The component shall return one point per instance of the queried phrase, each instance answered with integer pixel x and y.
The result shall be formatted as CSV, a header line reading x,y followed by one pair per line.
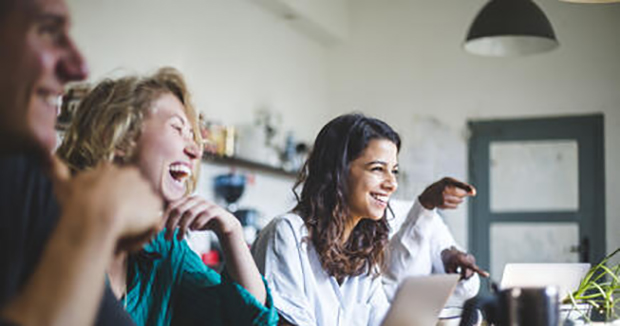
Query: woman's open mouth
x,y
180,172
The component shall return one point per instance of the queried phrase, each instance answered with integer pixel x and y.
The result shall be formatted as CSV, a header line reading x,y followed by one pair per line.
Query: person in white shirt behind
x,y
424,245
324,260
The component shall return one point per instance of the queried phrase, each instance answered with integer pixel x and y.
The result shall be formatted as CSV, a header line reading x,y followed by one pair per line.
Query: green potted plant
x,y
598,290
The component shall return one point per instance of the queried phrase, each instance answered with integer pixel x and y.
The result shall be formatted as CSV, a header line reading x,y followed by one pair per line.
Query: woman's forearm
x,y
241,266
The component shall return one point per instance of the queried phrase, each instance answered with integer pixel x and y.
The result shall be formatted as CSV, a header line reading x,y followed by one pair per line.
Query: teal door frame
x,y
589,134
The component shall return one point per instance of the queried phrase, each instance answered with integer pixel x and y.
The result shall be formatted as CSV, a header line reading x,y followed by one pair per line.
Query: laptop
x,y
564,276
419,299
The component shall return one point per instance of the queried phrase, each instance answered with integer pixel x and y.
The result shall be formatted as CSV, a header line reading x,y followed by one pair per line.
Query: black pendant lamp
x,y
506,28
592,1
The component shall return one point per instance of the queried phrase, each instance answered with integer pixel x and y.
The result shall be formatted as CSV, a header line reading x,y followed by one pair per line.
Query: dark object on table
x,y
515,306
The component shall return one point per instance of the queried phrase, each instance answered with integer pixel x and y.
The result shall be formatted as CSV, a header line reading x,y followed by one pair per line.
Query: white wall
x,y
332,14
237,58
322,20
404,63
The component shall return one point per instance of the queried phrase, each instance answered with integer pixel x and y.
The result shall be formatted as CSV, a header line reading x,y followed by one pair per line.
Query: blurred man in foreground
x,y
57,233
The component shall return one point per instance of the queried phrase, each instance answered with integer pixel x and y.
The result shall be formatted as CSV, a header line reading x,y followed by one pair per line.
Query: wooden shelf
x,y
243,163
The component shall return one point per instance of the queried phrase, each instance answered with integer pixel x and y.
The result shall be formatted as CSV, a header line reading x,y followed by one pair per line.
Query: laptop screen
x,y
419,300
565,276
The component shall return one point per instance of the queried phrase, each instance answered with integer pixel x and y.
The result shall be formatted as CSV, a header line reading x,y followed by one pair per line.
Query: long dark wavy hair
x,y
322,203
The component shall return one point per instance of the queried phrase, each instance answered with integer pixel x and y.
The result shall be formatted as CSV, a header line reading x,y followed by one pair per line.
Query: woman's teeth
x,y
381,198
180,172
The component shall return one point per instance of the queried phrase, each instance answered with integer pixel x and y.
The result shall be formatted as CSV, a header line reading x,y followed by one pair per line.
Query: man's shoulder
x,y
25,189
20,160
28,213
21,170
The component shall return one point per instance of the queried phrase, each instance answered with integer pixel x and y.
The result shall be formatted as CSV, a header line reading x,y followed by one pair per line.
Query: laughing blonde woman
x,y
150,122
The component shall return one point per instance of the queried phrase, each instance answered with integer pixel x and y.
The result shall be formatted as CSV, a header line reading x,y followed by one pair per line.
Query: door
x,y
541,195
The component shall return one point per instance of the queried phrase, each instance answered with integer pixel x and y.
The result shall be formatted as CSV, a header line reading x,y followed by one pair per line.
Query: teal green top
x,y
168,284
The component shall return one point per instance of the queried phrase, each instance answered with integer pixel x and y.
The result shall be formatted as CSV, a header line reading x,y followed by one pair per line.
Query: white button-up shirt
x,y
415,250
303,293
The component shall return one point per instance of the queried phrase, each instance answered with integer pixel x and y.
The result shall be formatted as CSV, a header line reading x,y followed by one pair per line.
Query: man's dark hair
x,y
8,7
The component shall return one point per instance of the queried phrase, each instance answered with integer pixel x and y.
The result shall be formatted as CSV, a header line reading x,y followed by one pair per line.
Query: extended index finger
x,y
478,270
468,262
471,191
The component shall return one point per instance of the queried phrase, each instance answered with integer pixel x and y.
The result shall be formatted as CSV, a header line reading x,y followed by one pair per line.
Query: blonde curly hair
x,y
109,120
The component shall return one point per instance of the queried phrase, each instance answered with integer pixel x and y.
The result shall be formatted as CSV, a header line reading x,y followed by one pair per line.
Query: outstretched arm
x,y
416,248
449,193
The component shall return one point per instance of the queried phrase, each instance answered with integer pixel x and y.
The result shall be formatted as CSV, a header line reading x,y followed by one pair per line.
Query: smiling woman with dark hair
x,y
324,260
334,200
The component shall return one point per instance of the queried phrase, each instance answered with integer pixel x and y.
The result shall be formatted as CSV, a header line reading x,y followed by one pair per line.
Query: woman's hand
x,y
456,261
446,193
196,213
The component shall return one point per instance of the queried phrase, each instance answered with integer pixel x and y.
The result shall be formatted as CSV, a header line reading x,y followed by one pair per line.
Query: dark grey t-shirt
x,y
28,214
